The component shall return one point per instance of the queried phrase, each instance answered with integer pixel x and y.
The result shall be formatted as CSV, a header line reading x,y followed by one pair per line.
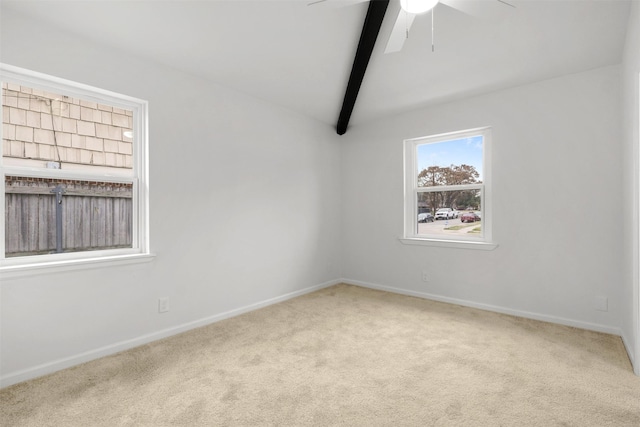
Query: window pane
x,y
90,215
48,130
450,213
451,162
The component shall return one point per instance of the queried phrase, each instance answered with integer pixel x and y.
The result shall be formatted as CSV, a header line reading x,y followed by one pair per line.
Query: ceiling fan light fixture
x,y
418,6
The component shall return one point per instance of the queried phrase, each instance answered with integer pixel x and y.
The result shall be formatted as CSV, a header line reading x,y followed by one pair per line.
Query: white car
x,y
445,213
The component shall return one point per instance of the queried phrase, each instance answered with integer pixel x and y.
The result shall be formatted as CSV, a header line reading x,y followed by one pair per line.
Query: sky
x,y
466,151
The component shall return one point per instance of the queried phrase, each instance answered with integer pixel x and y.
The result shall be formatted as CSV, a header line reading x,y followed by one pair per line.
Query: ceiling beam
x,y
370,30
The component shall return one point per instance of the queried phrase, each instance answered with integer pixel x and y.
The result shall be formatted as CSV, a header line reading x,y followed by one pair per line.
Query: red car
x,y
469,217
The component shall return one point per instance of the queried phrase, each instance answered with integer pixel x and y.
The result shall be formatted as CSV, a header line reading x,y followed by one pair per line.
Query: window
x,y
448,189
74,168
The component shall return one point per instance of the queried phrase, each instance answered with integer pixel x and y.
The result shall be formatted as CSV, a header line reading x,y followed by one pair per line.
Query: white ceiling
x,y
300,56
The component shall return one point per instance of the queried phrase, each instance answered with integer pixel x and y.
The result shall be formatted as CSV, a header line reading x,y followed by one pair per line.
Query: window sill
x,y
33,269
455,244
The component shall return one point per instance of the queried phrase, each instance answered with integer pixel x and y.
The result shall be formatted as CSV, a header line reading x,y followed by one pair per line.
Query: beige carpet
x,y
347,356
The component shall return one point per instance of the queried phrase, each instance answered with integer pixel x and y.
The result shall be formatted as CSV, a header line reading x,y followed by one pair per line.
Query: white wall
x,y
557,158
244,209
631,89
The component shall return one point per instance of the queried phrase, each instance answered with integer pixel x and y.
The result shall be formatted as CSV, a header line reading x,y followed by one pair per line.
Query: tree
x,y
432,176
435,176
469,198
463,174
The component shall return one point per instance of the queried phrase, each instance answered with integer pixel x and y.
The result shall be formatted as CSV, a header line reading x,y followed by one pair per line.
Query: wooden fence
x,y
95,215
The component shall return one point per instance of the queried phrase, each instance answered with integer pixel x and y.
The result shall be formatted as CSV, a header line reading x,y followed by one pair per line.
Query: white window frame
x,y
25,265
411,190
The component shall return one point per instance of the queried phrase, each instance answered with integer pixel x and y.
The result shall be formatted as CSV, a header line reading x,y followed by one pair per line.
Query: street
x,y
450,227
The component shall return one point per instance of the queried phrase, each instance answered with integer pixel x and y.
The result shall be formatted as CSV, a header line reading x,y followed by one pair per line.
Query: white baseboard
x,y
67,362
628,347
57,365
519,313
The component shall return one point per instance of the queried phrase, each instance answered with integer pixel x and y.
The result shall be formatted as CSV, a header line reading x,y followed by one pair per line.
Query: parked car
x,y
469,217
445,213
425,217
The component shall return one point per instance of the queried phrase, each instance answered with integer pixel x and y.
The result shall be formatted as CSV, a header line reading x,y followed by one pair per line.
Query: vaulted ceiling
x,y
300,56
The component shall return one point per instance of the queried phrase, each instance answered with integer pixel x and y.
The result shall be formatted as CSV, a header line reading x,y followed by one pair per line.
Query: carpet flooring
x,y
347,356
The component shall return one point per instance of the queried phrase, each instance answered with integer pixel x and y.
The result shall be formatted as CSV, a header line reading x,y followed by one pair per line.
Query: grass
x,y
464,225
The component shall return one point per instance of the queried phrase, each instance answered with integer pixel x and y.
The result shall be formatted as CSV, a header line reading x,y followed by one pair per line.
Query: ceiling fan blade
x,y
398,35
493,9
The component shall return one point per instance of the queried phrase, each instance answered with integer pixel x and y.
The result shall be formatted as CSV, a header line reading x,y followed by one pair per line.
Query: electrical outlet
x,y
163,305
425,276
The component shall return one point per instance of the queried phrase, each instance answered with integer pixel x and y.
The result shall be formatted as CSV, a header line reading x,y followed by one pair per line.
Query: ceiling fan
x,y
409,9
402,22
